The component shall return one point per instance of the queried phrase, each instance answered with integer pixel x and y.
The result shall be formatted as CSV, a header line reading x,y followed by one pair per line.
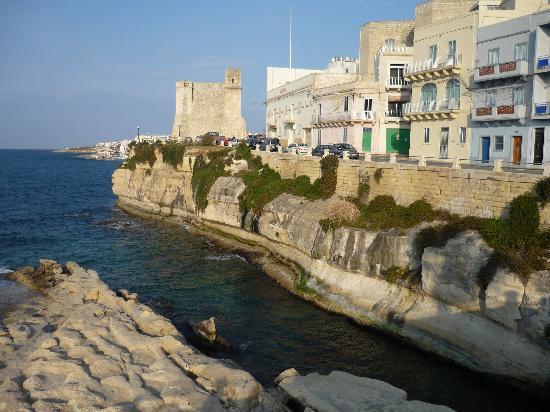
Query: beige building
x,y
209,107
442,71
368,112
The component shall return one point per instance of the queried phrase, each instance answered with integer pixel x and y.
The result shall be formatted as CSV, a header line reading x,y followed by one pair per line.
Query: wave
x,y
4,270
231,256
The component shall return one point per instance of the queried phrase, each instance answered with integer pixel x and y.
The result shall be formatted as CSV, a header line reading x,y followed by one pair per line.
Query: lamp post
x,y
138,133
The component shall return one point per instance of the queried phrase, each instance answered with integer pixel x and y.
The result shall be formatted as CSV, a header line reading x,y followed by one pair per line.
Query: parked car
x,y
338,149
298,148
252,142
232,142
320,149
273,143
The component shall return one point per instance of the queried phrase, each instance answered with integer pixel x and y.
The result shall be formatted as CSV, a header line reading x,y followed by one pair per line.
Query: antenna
x,y
290,43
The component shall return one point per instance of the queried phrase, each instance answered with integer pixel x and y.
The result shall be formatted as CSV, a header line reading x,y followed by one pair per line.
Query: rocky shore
x,y
81,346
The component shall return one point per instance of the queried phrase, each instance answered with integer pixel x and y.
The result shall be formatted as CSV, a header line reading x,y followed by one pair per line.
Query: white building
x,y
290,104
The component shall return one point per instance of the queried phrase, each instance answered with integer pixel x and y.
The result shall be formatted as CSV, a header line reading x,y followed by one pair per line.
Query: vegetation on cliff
x,y
142,153
264,184
205,174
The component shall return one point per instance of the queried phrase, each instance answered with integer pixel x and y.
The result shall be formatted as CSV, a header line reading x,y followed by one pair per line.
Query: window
x,y
389,43
519,96
493,7
491,98
396,74
395,109
452,93
320,111
462,139
345,134
368,105
521,51
494,57
426,135
452,53
346,103
499,143
432,53
319,136
428,96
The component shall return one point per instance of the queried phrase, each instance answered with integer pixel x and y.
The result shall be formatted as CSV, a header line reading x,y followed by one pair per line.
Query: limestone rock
x,y
451,273
503,299
286,374
340,391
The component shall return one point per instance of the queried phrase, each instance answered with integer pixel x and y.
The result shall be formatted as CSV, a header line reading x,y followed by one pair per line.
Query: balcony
x,y
432,110
498,113
271,123
542,111
543,64
397,83
430,69
342,118
501,71
288,118
392,116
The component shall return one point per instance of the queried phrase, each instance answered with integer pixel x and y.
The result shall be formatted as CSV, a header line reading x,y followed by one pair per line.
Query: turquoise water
x,y
58,206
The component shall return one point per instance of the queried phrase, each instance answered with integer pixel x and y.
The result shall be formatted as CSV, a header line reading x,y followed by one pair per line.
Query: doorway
x,y
539,146
516,153
485,149
444,143
367,139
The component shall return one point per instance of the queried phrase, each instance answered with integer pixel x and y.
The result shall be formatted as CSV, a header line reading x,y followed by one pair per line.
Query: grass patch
x,y
301,284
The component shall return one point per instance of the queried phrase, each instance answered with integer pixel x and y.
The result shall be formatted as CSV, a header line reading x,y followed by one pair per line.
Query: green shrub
x,y
243,152
524,219
329,176
363,191
542,190
207,141
173,153
378,174
205,175
301,284
419,211
142,153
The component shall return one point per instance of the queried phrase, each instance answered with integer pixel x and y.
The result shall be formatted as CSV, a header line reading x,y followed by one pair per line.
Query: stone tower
x,y
209,107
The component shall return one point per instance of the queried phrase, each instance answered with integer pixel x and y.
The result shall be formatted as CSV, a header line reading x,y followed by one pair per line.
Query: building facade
x,y
510,113
442,72
290,105
209,107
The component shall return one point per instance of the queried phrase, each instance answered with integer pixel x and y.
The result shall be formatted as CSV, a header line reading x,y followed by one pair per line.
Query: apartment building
x,y
510,113
290,102
442,72
368,112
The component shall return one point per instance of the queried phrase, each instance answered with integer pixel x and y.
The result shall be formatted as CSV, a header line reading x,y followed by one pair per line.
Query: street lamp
x,y
138,133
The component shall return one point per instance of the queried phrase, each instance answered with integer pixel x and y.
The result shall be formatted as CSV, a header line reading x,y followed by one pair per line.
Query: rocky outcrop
x,y
340,391
82,347
494,324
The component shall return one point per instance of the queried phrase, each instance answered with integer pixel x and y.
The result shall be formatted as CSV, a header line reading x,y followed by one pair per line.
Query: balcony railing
x,y
543,63
271,122
394,113
501,70
344,117
542,109
432,106
397,82
289,118
501,112
441,63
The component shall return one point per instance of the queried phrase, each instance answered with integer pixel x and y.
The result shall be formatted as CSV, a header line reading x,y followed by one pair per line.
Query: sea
x,y
59,206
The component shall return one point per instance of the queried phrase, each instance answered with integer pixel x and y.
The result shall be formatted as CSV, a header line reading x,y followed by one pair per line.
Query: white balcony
x,y
271,122
397,83
289,118
499,113
432,110
344,117
501,71
430,69
542,111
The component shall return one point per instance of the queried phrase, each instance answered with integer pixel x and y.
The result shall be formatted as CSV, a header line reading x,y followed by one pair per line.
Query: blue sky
x,y
75,72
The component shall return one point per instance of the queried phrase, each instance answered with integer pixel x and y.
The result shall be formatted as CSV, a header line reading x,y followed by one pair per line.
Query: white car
x,y
298,149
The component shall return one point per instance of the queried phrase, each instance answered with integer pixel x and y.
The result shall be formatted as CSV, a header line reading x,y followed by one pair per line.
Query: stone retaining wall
x,y
465,192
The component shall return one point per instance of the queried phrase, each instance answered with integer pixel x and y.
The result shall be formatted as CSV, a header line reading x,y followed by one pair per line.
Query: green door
x,y
367,139
398,141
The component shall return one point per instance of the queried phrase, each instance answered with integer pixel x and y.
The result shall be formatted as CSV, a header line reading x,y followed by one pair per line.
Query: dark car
x,y
320,150
274,144
252,142
338,149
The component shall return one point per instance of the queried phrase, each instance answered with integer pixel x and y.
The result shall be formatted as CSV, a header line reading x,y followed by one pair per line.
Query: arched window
x,y
452,93
428,96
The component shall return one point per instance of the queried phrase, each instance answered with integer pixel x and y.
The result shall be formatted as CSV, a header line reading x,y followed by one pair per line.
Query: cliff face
x,y
502,329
